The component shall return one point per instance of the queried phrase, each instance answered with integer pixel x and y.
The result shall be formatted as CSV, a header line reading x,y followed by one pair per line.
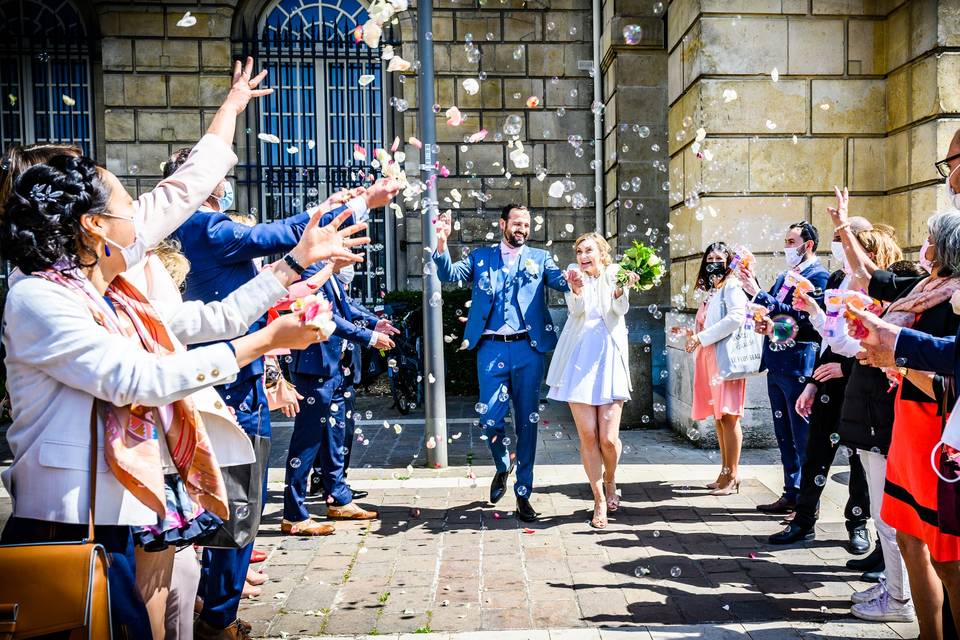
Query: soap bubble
x,y
675,571
857,512
480,408
632,33
693,433
513,125
834,438
641,571
784,329
534,417
820,481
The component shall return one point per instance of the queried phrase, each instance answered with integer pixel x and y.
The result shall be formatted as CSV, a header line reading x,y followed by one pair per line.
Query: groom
x,y
510,327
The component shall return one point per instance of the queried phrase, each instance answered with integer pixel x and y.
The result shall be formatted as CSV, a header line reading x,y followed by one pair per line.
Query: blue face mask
x,y
226,200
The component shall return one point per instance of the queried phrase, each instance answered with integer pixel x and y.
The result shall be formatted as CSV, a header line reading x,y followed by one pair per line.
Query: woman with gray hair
x,y
910,491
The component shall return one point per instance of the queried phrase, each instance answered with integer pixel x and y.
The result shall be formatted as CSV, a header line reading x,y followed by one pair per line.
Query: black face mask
x,y
715,268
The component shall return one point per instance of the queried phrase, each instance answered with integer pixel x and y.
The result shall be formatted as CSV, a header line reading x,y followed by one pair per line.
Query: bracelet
x,y
845,225
293,264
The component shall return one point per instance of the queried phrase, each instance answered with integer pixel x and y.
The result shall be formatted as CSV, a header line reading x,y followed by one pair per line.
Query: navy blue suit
x,y
320,429
923,352
788,368
221,254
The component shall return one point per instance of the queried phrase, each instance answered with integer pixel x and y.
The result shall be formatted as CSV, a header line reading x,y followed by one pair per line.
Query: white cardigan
x,y
716,324
58,359
595,293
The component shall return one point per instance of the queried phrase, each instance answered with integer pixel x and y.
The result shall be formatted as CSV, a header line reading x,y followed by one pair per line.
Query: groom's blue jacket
x,y
535,271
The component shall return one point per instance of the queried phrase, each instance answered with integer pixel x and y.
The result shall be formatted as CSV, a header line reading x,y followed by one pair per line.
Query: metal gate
x,y
318,111
45,88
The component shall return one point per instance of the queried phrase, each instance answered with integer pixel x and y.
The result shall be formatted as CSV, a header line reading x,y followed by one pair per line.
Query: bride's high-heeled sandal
x,y
613,500
599,521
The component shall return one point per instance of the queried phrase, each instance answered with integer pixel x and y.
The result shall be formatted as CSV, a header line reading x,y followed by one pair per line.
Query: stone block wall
x,y
866,97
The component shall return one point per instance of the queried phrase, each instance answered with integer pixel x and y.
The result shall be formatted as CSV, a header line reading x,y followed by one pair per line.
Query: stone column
x,y
862,95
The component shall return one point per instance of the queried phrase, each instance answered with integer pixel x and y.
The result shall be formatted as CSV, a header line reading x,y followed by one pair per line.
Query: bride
x,y
590,368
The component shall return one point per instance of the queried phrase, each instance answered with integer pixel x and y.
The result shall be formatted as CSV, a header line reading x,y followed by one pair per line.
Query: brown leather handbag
x,y
57,587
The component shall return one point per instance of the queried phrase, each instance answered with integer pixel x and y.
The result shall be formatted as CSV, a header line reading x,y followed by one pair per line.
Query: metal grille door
x,y
318,111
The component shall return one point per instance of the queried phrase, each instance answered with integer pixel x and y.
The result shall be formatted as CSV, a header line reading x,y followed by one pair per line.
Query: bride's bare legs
x,y
585,417
608,422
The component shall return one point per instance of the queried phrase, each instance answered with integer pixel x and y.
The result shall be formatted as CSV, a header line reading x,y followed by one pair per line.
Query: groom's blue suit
x,y
514,301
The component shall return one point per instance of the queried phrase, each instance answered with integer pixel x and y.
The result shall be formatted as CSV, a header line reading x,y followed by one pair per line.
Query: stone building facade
x,y
867,96
156,85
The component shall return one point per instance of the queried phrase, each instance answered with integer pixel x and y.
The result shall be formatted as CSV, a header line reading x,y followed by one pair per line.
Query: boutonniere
x,y
955,302
530,266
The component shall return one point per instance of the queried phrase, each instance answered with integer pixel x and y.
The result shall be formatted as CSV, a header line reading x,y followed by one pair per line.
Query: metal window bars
x,y
319,112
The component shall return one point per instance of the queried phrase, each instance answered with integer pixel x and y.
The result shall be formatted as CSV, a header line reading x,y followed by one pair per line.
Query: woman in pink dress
x,y
721,313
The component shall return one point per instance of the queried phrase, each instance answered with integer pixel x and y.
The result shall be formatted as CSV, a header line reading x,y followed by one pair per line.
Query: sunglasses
x,y
943,166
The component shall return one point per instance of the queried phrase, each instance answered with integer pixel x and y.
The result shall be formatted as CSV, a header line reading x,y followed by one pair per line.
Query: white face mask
x,y
793,256
925,262
346,275
952,195
836,249
136,252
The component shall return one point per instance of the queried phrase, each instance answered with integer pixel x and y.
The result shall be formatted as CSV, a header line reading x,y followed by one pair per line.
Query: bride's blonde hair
x,y
602,245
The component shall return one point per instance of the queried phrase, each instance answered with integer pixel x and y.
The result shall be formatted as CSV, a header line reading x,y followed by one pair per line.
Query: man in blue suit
x,y
320,430
221,254
510,327
790,364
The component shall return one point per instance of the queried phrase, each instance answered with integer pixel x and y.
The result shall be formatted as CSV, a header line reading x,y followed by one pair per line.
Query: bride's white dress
x,y
596,372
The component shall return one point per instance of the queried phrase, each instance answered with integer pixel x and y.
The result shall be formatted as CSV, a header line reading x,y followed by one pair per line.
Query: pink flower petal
x,y
478,136
415,142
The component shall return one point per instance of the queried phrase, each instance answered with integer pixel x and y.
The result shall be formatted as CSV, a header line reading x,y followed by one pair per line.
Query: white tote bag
x,y
739,354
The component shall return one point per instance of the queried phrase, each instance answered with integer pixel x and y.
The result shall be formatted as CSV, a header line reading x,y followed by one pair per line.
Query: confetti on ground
x,y
775,75
529,531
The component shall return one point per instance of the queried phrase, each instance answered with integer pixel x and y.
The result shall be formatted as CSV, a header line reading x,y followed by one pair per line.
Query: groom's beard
x,y
516,240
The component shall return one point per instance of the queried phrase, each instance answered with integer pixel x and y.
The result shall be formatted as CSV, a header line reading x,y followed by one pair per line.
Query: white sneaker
x,y
885,609
872,593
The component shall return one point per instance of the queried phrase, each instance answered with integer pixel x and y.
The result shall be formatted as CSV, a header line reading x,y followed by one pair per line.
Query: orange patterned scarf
x,y
131,447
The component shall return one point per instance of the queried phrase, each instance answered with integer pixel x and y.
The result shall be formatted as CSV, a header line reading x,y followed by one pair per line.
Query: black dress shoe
x,y
872,562
782,505
359,495
499,485
316,484
525,512
859,541
873,576
793,533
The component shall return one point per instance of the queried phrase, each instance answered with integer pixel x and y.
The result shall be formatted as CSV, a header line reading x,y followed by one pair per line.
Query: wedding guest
x,y
789,365
922,306
821,401
590,369
721,313
76,334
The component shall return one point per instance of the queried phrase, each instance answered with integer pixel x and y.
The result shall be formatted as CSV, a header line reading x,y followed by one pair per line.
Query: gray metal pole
x,y
435,396
599,220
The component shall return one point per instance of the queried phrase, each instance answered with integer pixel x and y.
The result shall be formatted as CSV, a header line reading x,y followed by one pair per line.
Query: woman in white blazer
x,y
61,356
721,313
590,369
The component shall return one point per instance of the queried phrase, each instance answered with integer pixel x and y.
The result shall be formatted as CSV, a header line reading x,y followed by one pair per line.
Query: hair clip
x,y
44,193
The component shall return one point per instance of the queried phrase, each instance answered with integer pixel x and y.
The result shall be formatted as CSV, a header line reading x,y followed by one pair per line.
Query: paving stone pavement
x,y
674,562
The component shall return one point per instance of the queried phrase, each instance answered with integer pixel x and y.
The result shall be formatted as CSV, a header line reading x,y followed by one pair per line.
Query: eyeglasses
x,y
943,166
110,215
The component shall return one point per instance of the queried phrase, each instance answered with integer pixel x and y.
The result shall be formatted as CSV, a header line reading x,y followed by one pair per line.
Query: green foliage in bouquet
x,y
643,261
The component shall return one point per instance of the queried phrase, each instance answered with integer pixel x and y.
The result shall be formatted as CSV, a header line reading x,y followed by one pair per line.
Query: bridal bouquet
x,y
642,261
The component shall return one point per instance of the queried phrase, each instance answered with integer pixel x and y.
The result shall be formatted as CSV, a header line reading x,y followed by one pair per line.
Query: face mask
x,y
715,269
346,275
132,255
793,256
952,195
226,200
836,248
925,262
136,252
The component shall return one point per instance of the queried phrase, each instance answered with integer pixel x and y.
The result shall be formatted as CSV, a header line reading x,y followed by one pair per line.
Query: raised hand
x,y
748,280
381,192
329,241
575,279
838,214
244,88
386,327
339,198
444,227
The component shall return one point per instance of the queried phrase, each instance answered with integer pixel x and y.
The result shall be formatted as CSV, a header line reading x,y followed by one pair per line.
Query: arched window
x,y
45,88
328,97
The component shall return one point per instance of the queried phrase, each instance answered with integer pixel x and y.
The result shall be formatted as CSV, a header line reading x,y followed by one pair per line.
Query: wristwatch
x,y
293,264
